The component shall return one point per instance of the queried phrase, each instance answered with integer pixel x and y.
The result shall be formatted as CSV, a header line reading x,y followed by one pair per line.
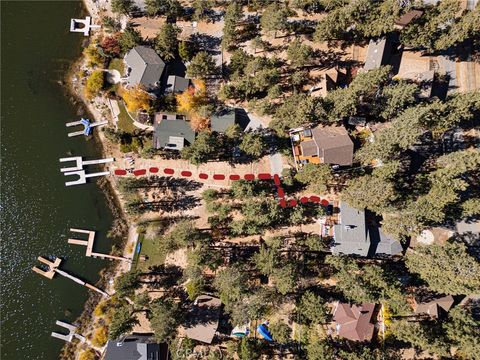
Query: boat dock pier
x,y
89,244
72,332
87,126
53,268
82,25
78,169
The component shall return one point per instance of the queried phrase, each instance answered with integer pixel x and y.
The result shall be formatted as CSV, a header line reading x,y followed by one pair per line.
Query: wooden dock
x,y
89,244
53,269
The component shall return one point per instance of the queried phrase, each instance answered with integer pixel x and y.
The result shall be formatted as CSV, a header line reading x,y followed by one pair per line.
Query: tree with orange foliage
x,y
193,103
136,98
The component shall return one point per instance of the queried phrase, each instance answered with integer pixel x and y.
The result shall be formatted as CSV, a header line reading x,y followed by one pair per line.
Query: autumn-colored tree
x,y
136,98
94,58
95,83
193,102
87,355
111,45
100,336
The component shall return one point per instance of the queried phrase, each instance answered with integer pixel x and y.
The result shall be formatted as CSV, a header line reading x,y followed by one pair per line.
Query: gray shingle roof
x,y
177,84
146,67
135,347
351,233
226,117
378,53
171,132
352,237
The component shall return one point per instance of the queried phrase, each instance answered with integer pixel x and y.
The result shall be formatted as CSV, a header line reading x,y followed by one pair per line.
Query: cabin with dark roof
x,y
145,67
225,117
177,84
136,347
379,52
172,131
352,235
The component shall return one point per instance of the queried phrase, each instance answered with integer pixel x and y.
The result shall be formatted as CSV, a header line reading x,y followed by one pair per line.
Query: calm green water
x,y
36,208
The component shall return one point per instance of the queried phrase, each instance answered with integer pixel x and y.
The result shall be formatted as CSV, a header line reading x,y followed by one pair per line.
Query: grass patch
x,y
117,64
151,252
125,122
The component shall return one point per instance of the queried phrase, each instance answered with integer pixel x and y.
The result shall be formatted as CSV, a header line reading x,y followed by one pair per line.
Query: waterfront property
x,y
145,68
136,347
321,145
172,131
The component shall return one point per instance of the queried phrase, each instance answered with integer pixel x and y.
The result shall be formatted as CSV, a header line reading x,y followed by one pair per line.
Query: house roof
x,y
354,322
351,233
171,131
309,148
135,347
378,53
408,17
435,307
225,117
382,243
353,237
146,66
203,318
334,144
177,84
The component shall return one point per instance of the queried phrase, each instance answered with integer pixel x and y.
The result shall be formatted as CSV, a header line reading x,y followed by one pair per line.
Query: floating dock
x,y
89,244
82,25
72,332
87,126
53,268
78,169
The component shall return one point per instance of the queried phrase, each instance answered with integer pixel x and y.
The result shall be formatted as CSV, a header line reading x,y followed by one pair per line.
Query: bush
x,y
194,288
100,336
87,355
95,83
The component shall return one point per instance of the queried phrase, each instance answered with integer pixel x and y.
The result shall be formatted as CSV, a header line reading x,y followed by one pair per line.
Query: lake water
x,y
36,208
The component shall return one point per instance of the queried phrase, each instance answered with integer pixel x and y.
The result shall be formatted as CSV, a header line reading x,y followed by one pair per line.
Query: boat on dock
x,y
87,126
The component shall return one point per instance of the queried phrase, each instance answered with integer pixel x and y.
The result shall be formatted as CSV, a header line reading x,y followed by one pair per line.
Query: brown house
x,y
435,308
321,145
354,322
202,319
407,18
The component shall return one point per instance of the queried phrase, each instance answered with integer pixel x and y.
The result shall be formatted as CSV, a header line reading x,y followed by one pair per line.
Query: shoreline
x,y
121,225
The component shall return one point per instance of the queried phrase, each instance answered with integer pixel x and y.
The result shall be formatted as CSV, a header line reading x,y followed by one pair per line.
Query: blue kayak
x,y
263,330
